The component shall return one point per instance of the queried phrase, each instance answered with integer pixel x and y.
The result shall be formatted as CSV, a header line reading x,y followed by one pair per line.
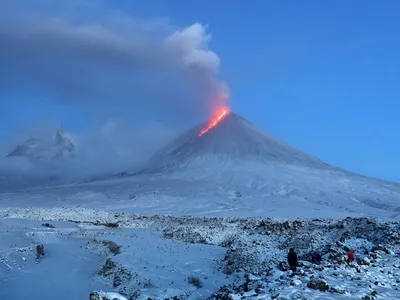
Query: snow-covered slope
x,y
93,242
233,140
271,177
234,169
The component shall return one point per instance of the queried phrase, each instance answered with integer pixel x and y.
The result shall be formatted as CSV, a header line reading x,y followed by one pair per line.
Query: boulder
x,y
295,282
337,290
318,284
365,261
39,251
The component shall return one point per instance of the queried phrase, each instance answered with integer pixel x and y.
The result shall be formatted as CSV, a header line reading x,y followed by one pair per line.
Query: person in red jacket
x,y
350,256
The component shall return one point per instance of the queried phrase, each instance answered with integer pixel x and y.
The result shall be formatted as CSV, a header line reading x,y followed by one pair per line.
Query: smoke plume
x,y
103,66
110,65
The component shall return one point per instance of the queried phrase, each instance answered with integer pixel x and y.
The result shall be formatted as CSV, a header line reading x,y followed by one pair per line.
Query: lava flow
x,y
220,115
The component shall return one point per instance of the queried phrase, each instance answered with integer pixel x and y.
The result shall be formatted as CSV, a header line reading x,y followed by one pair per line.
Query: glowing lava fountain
x,y
220,114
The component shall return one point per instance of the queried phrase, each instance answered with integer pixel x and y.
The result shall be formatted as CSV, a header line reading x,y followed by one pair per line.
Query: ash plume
x,y
90,65
107,63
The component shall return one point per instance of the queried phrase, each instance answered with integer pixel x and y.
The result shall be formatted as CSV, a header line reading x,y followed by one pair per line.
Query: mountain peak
x,y
233,139
44,146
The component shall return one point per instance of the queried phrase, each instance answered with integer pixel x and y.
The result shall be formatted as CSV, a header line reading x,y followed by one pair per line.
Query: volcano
x,y
232,168
236,159
233,140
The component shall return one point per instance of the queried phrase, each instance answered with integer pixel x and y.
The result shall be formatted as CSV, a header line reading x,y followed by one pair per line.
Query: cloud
x,y
116,147
111,62
149,75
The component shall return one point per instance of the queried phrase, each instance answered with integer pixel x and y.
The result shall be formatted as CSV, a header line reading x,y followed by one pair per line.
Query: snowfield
x,y
209,217
167,257
235,169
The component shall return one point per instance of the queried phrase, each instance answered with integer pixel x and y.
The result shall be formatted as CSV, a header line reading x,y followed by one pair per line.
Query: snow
x,y
233,170
295,194
210,217
64,273
155,256
110,295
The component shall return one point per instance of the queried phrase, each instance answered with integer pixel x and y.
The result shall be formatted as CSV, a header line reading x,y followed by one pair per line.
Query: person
x,y
350,256
292,259
316,258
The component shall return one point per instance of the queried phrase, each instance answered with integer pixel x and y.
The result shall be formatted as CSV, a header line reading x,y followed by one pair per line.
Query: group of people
x,y
316,258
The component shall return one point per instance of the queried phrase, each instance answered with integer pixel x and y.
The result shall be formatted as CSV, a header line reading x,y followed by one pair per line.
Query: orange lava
x,y
219,115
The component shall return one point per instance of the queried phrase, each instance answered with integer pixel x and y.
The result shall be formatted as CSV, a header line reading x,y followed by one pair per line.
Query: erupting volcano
x,y
227,138
218,116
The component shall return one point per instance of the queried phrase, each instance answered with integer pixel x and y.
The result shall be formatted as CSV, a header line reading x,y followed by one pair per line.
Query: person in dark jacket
x,y
292,259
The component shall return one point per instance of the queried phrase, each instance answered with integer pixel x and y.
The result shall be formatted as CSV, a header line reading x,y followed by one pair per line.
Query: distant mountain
x,y
39,160
55,146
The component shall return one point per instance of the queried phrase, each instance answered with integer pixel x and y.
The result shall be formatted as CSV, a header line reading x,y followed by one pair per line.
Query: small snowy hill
x,y
45,147
233,140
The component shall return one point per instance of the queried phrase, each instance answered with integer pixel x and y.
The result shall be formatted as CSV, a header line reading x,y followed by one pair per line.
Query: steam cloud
x,y
139,71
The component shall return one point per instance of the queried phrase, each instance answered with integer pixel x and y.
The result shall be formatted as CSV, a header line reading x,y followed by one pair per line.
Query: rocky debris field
x,y
257,248
247,255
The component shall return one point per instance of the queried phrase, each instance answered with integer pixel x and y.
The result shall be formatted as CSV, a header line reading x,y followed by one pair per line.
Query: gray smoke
x,y
105,64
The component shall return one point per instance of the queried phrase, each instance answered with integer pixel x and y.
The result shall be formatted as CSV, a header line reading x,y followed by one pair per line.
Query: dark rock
x,y
195,281
48,225
112,247
380,248
39,251
110,225
318,284
337,290
115,272
107,267
96,296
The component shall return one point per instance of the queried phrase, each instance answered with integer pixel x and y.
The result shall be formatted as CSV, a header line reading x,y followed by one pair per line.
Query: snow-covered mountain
x,y
233,140
147,236
48,147
234,169
38,160
237,158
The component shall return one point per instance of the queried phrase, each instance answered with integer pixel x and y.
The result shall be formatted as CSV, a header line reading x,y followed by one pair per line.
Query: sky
x,y
321,76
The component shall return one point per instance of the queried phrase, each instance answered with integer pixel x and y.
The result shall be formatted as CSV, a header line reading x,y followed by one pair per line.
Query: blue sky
x,y
322,76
